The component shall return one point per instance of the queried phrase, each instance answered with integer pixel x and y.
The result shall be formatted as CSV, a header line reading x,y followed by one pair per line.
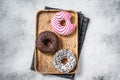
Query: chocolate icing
x,y
47,42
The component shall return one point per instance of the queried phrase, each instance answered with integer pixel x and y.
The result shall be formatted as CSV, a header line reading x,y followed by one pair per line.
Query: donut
x,y
66,29
62,55
47,42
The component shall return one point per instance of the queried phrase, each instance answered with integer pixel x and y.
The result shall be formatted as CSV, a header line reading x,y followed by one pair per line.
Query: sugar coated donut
x,y
61,29
61,66
47,42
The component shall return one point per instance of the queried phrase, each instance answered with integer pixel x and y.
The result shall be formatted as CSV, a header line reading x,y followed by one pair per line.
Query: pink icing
x,y
58,28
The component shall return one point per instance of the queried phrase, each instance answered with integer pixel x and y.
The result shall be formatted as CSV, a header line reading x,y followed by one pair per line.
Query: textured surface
x,y
100,56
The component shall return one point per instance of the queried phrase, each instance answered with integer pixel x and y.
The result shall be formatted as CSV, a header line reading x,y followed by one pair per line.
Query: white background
x,y
100,56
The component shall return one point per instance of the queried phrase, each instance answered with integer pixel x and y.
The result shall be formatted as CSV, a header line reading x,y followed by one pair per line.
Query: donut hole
x,y
46,42
64,60
72,19
63,22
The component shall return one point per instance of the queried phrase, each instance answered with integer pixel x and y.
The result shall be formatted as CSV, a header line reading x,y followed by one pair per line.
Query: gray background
x,y
100,56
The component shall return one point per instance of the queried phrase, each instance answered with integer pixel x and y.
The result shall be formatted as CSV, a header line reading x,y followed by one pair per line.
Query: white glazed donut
x,y
56,23
69,65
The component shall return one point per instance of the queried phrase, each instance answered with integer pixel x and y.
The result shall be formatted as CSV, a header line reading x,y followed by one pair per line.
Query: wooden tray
x,y
43,63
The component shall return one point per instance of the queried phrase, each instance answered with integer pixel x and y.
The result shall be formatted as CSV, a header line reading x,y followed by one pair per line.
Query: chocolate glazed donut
x,y
47,42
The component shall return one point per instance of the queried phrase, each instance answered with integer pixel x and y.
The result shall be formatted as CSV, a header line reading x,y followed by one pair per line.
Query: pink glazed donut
x,y
56,23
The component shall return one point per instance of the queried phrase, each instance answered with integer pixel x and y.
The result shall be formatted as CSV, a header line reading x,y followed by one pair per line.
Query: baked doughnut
x,y
64,67
47,42
66,29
